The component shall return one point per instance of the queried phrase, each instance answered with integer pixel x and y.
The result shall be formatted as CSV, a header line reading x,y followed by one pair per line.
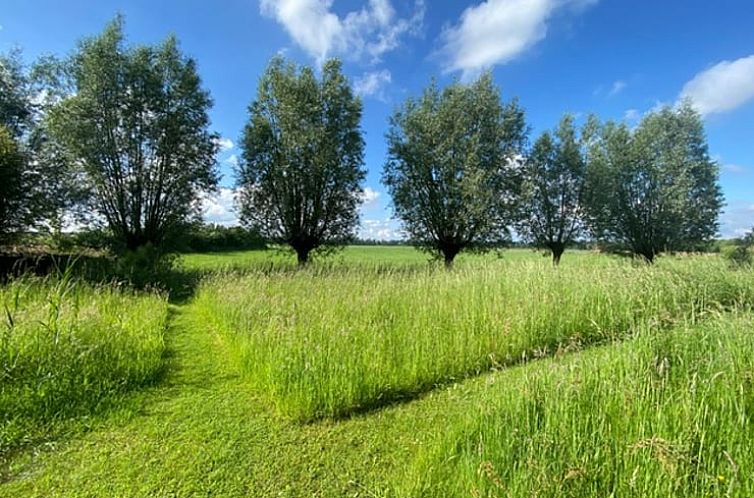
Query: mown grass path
x,y
202,432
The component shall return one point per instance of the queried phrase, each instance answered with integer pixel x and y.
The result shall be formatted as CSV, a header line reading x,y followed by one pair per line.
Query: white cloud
x,y
497,31
385,229
225,144
735,169
632,115
220,208
232,160
737,218
723,87
369,197
371,31
617,88
373,84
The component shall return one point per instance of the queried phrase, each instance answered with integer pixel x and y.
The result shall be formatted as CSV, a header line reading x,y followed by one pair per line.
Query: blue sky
x,y
617,58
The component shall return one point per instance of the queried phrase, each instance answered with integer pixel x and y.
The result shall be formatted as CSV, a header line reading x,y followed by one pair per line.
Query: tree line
x,y
120,135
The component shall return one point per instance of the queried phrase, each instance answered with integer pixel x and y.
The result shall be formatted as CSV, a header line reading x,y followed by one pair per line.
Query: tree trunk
x,y
302,254
557,251
449,253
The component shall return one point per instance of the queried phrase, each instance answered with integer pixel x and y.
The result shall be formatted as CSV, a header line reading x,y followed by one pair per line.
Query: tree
x,y
654,189
452,168
553,191
303,155
15,103
136,126
14,205
25,178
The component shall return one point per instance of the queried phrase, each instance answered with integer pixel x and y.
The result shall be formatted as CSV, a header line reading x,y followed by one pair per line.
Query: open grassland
x,y
67,347
331,343
503,378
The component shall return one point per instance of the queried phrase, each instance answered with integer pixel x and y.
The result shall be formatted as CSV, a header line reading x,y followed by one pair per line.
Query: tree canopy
x,y
655,188
136,127
453,166
303,157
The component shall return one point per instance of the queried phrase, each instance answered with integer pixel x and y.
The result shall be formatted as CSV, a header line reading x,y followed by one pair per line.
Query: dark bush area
x,y
202,237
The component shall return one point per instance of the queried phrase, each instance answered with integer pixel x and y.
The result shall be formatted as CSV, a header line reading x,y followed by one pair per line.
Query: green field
x,y
376,373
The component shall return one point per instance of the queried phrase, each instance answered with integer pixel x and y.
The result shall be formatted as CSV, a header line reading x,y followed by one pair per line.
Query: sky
x,y
616,58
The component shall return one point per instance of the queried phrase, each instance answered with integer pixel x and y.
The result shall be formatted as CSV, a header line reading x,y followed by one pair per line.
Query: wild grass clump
x,y
666,414
66,347
322,344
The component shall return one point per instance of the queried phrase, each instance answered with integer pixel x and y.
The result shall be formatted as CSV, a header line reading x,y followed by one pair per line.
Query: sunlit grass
x,y
322,343
665,414
65,347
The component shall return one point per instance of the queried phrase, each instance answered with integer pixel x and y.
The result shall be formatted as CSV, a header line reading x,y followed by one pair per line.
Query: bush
x,y
739,254
203,237
144,267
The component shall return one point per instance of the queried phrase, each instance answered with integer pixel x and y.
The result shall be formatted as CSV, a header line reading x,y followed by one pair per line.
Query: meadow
x,y
378,373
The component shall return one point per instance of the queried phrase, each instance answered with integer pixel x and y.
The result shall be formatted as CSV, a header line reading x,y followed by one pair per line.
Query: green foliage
x,y
15,104
14,212
203,237
654,189
29,183
136,121
666,414
303,158
66,347
552,199
330,343
145,266
740,253
451,169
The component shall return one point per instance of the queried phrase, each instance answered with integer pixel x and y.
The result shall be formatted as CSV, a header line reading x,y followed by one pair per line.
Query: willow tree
x,y
654,189
28,180
453,167
552,196
303,155
136,123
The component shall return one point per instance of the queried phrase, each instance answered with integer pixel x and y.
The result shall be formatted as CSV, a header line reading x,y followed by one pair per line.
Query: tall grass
x,y
65,347
669,414
323,343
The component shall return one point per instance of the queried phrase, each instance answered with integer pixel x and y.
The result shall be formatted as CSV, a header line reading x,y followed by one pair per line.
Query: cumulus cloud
x,y
220,208
369,197
497,31
225,144
723,87
372,31
384,229
372,84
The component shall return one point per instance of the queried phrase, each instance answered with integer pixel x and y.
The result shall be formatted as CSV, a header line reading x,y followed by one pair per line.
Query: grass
x,y
663,415
670,394
67,347
331,343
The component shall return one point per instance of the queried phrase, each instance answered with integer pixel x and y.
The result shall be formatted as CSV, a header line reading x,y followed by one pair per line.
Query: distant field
x,y
375,372
361,256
